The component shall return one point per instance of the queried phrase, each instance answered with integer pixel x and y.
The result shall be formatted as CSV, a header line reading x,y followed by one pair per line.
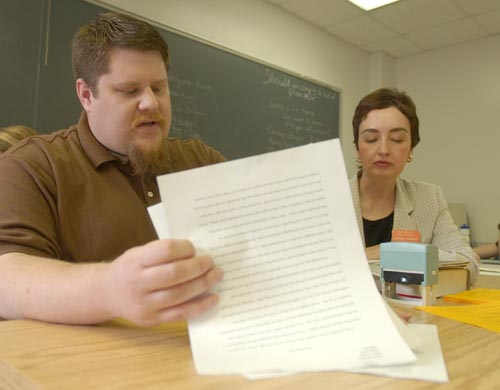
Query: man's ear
x,y
84,94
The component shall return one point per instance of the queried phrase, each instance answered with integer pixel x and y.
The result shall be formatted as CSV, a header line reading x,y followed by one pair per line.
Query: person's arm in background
x,y
452,244
486,251
158,282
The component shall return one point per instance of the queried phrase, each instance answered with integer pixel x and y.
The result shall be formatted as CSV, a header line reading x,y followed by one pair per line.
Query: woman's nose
x,y
383,146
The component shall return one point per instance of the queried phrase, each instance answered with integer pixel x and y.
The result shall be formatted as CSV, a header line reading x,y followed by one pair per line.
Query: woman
x,y
385,126
12,134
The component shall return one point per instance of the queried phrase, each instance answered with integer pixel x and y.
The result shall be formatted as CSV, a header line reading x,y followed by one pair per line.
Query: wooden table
x,y
118,355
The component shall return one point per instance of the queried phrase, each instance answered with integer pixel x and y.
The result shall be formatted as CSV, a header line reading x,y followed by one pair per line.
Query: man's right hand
x,y
159,282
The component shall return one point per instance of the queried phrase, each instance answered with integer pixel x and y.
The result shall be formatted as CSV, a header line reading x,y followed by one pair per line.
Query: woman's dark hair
x,y
384,98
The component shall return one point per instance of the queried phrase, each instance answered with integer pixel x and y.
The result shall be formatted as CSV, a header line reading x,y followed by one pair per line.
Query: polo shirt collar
x,y
96,152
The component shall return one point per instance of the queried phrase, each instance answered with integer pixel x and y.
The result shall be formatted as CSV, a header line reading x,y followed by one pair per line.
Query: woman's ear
x,y
410,156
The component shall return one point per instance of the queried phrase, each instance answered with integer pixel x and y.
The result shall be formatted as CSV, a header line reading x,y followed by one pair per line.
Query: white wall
x,y
457,93
261,30
382,71
456,89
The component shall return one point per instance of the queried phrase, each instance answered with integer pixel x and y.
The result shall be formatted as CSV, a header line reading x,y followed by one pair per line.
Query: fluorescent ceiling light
x,y
368,5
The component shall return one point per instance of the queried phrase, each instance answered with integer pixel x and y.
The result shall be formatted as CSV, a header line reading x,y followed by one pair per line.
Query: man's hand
x,y
159,282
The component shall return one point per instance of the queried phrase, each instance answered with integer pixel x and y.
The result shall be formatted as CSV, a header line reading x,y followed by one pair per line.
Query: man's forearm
x,y
52,290
156,282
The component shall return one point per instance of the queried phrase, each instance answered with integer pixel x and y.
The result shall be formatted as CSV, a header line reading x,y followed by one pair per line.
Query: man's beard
x,y
146,159
151,161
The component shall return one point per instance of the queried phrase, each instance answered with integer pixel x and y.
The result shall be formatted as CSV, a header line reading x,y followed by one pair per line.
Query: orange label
x,y
405,236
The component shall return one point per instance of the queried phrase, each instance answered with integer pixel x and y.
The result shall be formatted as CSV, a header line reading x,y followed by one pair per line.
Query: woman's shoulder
x,y
44,147
416,188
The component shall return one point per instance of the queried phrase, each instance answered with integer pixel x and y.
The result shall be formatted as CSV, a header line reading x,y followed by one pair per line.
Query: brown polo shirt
x,y
64,196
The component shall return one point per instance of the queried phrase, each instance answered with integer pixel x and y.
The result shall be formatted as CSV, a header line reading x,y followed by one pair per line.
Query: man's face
x,y
130,112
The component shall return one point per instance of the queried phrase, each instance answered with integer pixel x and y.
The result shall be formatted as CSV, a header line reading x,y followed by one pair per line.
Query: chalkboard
x,y
242,107
235,104
20,23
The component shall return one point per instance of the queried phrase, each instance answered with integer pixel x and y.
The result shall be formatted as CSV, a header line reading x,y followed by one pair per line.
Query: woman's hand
x,y
403,315
373,252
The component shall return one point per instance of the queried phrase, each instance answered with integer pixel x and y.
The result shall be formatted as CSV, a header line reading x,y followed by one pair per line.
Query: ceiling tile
x,y
395,47
403,28
460,31
361,31
475,7
415,15
323,12
490,21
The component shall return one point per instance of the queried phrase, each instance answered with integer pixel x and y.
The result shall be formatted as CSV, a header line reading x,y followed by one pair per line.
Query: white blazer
x,y
421,206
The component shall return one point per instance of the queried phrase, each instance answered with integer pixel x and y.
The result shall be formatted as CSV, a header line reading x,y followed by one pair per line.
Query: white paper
x,y
411,338
430,362
489,269
297,292
160,223
429,365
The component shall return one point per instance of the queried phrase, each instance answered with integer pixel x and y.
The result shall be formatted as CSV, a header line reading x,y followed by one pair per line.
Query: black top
x,y
378,231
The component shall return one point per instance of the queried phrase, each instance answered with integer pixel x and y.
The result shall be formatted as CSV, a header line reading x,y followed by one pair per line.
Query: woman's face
x,y
384,143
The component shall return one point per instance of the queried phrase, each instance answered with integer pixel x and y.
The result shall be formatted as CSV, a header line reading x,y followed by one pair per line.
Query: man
x,y
76,243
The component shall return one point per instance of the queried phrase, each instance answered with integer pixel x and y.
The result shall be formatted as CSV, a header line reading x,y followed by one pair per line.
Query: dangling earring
x,y
358,160
410,158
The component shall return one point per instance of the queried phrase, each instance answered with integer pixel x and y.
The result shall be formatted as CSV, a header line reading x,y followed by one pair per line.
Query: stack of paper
x,y
297,293
489,267
484,310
